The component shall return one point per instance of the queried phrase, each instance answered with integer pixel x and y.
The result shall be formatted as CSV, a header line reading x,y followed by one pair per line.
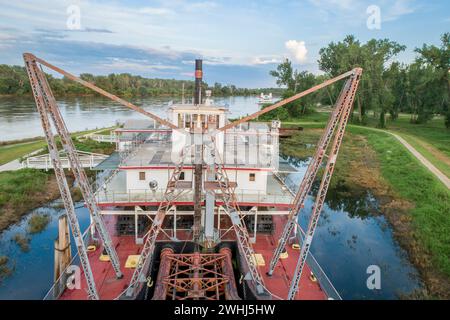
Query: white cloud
x,y
155,11
399,8
266,60
354,11
297,50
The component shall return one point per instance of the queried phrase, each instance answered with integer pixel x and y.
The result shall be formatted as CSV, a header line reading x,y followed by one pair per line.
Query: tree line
x,y
14,81
387,87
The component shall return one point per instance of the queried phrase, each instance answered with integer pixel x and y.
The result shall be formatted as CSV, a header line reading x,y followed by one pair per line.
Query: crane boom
x,y
41,97
103,92
324,184
310,175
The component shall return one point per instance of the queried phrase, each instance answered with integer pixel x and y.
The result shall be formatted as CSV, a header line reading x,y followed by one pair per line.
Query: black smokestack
x,y
198,81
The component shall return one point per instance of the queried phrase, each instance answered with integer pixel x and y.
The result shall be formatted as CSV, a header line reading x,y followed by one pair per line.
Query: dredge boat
x,y
190,207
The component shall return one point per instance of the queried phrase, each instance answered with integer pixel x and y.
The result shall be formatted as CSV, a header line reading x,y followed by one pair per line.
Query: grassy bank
x,y
26,189
23,190
424,229
431,139
12,151
411,198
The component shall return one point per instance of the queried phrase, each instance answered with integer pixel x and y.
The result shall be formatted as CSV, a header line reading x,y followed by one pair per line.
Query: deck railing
x,y
87,160
147,195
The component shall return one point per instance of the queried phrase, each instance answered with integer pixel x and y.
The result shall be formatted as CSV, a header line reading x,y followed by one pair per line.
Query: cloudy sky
x,y
240,41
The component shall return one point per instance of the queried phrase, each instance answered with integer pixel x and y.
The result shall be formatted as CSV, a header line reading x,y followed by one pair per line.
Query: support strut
x,y
325,182
310,175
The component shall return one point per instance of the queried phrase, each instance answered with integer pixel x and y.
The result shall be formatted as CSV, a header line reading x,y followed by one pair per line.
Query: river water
x,y
19,118
352,233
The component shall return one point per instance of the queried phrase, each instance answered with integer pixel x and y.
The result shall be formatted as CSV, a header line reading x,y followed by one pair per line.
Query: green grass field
x,y
11,152
411,181
431,139
21,191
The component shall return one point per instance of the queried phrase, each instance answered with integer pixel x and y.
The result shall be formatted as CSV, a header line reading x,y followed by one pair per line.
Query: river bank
x,y
11,150
25,189
376,162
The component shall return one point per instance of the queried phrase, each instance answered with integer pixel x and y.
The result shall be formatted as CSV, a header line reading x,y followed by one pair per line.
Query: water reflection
x,y
32,270
352,234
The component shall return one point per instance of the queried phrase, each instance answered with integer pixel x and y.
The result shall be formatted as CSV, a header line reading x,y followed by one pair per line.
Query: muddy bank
x,y
358,171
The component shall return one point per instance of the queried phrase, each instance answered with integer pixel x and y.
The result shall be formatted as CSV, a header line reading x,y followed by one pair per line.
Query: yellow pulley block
x,y
91,248
104,257
295,246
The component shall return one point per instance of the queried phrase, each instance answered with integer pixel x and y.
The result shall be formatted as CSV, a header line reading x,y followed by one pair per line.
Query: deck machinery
x,y
207,261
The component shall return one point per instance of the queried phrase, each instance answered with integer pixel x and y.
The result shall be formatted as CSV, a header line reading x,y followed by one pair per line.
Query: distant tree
x,y
435,64
295,81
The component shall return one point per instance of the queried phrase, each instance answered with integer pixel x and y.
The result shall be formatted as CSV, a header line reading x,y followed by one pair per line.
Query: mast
x,y
198,160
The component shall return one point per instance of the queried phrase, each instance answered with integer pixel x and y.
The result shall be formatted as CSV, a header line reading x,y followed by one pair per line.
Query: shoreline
x,y
360,169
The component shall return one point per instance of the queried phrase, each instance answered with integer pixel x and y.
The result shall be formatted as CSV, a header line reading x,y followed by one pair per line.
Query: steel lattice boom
x,y
42,97
320,199
310,174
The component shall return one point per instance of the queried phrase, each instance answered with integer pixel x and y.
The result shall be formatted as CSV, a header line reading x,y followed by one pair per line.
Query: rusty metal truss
x,y
48,109
195,276
311,173
325,182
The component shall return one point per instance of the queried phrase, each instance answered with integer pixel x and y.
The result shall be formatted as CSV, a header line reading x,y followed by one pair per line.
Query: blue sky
x,y
240,41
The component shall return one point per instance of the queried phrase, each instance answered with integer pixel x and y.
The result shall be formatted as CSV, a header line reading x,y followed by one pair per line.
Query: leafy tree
x,y
295,81
373,93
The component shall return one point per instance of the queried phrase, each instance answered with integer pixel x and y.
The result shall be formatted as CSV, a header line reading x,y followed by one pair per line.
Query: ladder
x,y
324,184
310,175
42,97
171,193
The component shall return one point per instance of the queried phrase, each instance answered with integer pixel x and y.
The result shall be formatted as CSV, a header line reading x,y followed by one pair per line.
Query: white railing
x,y
147,195
112,138
87,160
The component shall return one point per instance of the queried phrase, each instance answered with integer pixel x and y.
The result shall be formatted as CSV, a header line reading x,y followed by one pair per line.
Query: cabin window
x,y
181,175
252,177
141,175
203,121
194,121
187,121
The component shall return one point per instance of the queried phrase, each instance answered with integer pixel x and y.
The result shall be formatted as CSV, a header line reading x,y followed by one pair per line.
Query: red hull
x,y
110,288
